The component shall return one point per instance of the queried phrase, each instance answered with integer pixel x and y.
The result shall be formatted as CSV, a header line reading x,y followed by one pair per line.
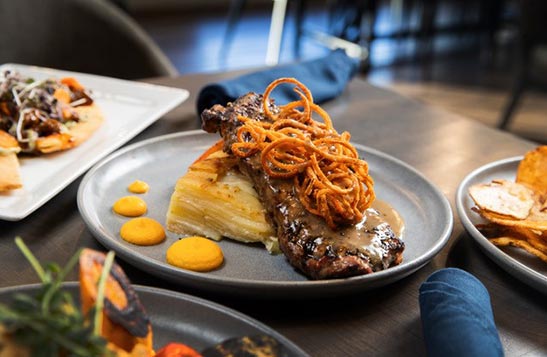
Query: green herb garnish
x,y
49,323
98,318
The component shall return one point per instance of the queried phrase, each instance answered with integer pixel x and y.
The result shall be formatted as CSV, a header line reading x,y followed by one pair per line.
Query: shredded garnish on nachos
x,y
30,108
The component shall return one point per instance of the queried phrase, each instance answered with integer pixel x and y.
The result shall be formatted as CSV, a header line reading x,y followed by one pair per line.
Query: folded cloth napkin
x,y
326,77
457,318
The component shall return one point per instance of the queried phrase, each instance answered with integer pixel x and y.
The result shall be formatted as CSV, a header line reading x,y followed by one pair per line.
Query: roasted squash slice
x,y
125,323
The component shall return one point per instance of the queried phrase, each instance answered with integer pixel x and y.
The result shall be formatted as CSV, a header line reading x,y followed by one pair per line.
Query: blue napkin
x,y
457,318
326,77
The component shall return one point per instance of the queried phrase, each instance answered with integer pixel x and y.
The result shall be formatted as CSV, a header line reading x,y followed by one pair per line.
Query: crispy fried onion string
x,y
331,180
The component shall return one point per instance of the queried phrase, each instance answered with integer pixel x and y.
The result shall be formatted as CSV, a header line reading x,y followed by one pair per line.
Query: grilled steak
x,y
306,240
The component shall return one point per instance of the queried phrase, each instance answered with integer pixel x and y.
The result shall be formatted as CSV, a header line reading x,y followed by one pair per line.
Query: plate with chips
x,y
503,206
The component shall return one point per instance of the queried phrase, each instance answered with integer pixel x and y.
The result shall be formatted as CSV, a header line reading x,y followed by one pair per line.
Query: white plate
x,y
249,269
128,108
517,262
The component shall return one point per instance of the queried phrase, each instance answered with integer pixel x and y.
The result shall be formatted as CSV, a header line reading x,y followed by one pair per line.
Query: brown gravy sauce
x,y
386,213
380,221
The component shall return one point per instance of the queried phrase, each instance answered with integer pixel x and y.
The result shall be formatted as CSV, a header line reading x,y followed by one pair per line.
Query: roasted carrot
x,y
62,95
177,350
216,147
72,83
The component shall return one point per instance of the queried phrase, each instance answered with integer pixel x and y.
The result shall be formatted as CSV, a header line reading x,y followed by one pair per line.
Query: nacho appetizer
x,y
310,186
42,116
517,211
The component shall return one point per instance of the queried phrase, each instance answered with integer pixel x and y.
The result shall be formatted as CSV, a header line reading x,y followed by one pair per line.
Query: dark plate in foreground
x,y
248,269
183,318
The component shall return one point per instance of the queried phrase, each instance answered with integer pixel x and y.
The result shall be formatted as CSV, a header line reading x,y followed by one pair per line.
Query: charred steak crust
x,y
307,242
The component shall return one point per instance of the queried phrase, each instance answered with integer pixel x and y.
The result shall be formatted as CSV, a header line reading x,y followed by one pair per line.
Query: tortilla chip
x,y
10,179
91,119
7,141
503,198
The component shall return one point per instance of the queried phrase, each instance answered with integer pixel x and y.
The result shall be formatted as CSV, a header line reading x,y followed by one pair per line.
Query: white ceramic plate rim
x,y
174,96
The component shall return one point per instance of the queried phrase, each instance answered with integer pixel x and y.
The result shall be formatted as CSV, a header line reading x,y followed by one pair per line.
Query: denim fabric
x,y
457,318
326,77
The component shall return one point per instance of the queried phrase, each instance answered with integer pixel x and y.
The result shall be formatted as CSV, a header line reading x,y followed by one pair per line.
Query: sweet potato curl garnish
x,y
331,180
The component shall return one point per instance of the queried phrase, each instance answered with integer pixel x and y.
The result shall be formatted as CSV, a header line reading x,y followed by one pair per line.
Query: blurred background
x,y
463,55
484,59
467,56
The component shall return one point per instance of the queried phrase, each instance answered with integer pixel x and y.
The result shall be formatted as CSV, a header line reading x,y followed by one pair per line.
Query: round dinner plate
x,y
182,318
249,269
517,262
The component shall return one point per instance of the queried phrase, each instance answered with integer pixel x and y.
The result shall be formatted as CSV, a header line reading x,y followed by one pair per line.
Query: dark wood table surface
x,y
385,322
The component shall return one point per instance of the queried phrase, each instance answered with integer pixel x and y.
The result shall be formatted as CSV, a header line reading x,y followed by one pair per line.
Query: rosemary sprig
x,y
31,259
98,318
49,323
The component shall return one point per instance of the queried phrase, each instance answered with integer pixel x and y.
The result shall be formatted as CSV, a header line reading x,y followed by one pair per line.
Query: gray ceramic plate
x,y
177,317
522,265
249,269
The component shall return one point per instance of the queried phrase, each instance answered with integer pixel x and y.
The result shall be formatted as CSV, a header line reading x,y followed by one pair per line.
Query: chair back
x,y
533,22
92,36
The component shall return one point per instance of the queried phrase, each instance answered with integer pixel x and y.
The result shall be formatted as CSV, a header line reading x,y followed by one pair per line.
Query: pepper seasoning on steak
x,y
309,244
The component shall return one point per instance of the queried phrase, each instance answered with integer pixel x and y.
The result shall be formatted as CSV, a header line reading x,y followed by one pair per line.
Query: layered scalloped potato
x,y
215,200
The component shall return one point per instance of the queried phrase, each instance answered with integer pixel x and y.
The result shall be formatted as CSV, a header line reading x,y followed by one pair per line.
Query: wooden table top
x,y
384,322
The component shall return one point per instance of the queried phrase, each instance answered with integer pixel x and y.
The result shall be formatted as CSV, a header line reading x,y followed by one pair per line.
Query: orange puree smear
x,y
142,231
195,253
130,206
138,186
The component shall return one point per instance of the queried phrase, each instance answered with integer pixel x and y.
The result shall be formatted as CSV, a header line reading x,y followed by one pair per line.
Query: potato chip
x,y
534,239
506,241
491,230
503,198
517,210
532,170
533,242
530,223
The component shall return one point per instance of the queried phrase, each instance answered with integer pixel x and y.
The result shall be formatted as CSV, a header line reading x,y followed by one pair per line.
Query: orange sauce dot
x,y
138,186
195,253
142,231
130,206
